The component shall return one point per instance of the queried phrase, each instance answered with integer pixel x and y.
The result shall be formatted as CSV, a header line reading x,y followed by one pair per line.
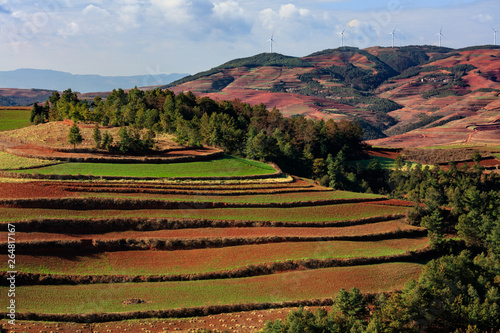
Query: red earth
x,y
33,190
356,230
244,322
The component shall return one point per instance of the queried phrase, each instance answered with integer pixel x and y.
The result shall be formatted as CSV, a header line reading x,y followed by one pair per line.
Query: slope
x,y
388,91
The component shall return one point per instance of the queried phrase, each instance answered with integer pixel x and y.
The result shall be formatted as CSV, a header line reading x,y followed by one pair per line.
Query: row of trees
x,y
459,292
465,200
300,146
456,293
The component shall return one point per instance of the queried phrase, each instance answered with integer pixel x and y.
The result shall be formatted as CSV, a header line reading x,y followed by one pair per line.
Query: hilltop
x,y
405,97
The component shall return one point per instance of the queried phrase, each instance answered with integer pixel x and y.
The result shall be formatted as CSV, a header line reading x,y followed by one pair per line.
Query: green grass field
x,y
249,198
14,119
290,286
210,260
227,166
340,212
385,163
11,162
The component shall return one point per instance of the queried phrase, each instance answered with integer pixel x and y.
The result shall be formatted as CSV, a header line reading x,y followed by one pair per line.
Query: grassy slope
x,y
210,260
227,166
299,285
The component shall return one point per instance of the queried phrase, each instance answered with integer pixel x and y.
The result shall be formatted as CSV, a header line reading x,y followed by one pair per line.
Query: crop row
x,y
105,225
203,186
210,260
226,232
102,203
283,287
336,212
85,246
256,197
225,192
240,272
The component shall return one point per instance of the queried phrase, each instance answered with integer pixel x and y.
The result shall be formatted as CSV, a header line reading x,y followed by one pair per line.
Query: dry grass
x,y
55,134
13,162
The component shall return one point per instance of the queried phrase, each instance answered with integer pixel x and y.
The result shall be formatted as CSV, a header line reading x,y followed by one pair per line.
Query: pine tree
x,y
97,136
74,136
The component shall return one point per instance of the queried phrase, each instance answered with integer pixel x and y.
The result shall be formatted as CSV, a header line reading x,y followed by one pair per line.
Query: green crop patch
x,y
223,167
339,212
298,196
299,285
11,119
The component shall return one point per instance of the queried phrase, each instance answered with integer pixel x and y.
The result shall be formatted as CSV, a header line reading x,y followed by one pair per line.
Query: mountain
x,y
23,97
56,80
407,96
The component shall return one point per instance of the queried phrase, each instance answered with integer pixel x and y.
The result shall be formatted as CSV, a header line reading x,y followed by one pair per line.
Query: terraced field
x,y
14,117
116,250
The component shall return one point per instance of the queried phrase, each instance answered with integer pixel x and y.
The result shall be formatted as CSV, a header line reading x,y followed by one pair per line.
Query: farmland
x,y
226,166
308,249
174,295
196,239
13,118
209,260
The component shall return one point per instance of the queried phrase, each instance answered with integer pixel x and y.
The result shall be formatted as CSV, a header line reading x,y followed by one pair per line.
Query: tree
x,y
434,225
125,140
97,136
39,113
107,141
74,136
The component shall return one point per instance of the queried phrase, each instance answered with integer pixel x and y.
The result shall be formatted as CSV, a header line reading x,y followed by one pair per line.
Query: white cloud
x,y
181,11
228,10
230,18
71,29
483,18
291,12
95,11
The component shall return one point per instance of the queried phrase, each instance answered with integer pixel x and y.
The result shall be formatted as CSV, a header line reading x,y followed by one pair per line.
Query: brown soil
x,y
356,230
33,190
384,152
244,322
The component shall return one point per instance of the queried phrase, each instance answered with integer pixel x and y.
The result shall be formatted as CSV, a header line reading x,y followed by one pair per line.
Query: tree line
x,y
306,147
458,292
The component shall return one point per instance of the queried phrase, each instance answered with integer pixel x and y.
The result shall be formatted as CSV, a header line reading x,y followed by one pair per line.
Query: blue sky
x,y
129,37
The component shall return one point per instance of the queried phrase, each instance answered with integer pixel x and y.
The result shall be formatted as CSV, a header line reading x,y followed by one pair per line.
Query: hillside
x,y
22,97
109,233
416,95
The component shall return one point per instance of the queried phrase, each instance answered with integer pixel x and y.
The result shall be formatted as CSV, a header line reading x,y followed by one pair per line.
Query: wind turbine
x,y
393,33
342,34
440,34
271,41
494,36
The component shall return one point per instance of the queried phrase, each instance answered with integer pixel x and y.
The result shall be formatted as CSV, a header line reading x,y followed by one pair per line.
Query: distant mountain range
x,y
55,80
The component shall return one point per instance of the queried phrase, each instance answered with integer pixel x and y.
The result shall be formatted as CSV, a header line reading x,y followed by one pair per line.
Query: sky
x,y
142,37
